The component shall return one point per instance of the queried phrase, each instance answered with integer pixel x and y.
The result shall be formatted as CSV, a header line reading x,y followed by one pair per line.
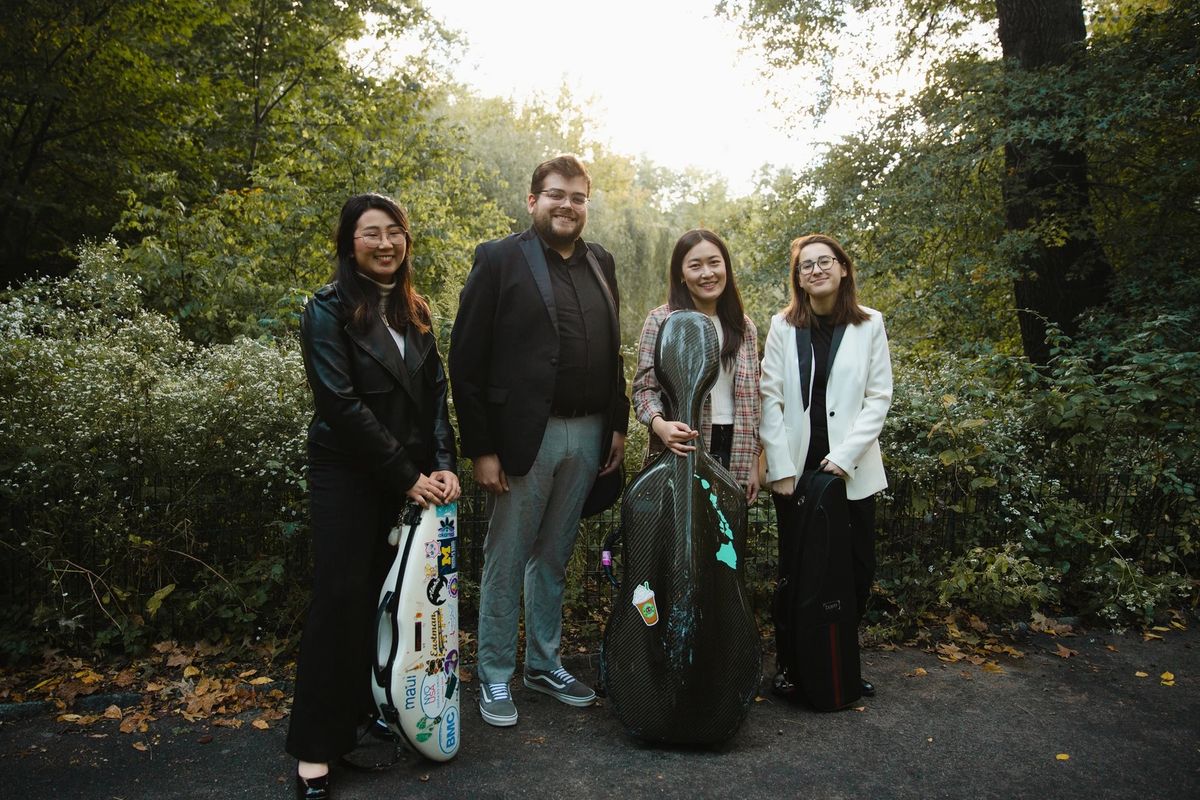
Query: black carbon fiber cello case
x,y
816,614
683,665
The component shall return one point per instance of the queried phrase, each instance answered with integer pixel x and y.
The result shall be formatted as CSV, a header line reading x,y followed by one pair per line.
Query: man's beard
x,y
545,229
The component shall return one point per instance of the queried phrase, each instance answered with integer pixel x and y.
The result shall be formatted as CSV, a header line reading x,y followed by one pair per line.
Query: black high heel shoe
x,y
313,788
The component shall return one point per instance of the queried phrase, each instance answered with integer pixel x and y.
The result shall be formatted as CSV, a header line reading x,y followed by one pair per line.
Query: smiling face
x,y
559,222
820,286
704,275
377,256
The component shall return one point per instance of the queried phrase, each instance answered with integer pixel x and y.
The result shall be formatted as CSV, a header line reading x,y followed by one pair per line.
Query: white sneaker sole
x,y
497,720
578,702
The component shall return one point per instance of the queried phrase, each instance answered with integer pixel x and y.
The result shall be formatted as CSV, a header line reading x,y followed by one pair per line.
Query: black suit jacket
x,y
504,351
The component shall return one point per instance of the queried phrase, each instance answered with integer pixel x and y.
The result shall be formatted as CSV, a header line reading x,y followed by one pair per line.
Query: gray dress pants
x,y
531,533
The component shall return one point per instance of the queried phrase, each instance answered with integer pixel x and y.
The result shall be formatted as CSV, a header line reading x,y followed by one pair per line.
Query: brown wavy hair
x,y
846,310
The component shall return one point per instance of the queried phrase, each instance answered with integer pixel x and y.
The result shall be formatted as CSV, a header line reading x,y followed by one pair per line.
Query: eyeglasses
x,y
374,238
558,195
824,262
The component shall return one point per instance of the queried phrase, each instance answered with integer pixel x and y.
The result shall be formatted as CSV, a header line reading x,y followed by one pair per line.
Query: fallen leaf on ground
x,y
993,667
179,659
1140,674
260,680
1063,757
113,712
261,724
1065,652
140,746
1043,624
1168,678
919,672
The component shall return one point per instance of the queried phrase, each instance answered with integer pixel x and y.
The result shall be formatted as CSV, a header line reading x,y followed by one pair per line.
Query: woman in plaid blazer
x,y
701,278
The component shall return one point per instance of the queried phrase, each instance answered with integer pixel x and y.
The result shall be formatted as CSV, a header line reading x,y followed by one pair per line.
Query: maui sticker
x,y
410,692
725,553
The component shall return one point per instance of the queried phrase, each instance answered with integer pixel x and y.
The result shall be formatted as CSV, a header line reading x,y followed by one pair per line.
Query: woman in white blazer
x,y
830,415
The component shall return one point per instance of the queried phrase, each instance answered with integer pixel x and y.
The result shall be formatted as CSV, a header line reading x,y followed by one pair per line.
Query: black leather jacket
x,y
374,409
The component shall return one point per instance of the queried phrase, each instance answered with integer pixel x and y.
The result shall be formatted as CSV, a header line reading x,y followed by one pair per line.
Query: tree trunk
x,y
1065,270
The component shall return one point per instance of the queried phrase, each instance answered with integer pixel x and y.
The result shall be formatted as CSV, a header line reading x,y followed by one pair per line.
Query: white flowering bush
x,y
150,486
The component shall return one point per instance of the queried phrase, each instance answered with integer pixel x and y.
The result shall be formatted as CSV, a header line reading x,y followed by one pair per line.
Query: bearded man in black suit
x,y
539,390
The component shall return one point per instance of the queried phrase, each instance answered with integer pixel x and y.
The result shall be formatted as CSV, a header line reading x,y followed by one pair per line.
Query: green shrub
x,y
151,487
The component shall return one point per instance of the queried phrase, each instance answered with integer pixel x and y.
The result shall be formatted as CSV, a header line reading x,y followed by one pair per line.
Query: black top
x,y
582,382
822,340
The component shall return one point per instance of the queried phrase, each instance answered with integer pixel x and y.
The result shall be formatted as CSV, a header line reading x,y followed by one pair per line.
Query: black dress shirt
x,y
583,381
822,341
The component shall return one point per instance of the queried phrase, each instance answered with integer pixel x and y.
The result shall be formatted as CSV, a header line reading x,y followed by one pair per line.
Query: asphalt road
x,y
955,731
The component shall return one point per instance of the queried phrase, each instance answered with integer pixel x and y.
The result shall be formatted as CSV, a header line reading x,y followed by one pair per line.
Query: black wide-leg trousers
x,y
351,515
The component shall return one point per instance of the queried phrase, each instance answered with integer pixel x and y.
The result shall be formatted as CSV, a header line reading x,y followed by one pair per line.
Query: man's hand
x,y
615,454
489,474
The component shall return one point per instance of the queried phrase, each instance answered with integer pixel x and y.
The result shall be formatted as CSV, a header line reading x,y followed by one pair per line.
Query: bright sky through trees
x,y
664,78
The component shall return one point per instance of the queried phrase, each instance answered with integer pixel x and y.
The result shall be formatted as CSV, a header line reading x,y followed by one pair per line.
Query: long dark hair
x,y
729,304
406,306
846,310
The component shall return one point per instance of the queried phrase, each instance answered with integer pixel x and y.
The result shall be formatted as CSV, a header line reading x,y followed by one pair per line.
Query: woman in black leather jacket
x,y
381,433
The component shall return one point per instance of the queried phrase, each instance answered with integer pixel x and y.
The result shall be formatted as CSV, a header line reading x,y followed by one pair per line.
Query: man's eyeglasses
x,y
824,262
373,238
558,195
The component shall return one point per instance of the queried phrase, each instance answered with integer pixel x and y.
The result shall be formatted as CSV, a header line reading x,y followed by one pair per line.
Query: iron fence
x,y
201,531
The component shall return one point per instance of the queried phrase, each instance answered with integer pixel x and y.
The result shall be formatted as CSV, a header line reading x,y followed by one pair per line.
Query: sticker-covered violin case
x,y
415,675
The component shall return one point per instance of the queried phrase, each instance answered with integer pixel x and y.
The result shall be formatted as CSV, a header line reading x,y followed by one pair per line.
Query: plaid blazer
x,y
747,404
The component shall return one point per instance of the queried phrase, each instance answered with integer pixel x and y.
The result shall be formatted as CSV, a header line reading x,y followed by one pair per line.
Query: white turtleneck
x,y
385,296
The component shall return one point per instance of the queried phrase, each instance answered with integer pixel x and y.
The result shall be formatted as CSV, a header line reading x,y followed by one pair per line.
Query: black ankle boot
x,y
313,788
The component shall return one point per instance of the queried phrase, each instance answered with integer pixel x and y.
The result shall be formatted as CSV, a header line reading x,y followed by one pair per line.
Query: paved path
x,y
954,732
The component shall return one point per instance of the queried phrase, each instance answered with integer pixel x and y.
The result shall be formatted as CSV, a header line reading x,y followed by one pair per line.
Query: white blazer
x,y
857,397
